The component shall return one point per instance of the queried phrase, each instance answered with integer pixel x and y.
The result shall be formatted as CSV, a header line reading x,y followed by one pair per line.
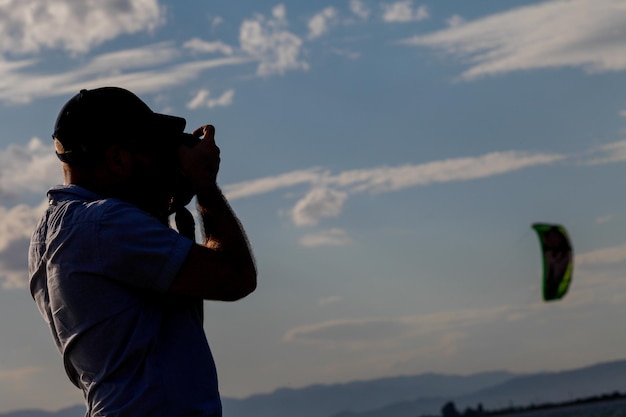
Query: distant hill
x,y
325,400
554,386
549,387
75,411
412,396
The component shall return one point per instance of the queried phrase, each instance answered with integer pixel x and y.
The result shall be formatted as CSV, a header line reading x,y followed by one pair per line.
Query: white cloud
x,y
610,153
269,42
331,237
604,219
611,255
599,278
131,68
329,300
359,8
125,59
18,374
31,168
265,41
406,344
558,33
30,25
198,100
279,12
203,99
198,45
387,179
375,333
318,203
270,184
154,81
15,382
329,192
16,225
320,23
402,12
354,334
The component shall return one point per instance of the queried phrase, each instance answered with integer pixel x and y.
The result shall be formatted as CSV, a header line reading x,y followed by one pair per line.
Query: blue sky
x,y
387,159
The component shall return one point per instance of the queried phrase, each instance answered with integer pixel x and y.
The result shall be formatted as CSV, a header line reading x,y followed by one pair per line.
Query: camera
x,y
188,139
182,188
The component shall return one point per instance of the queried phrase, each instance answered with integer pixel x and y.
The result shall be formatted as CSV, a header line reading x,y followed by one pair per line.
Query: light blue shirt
x,y
99,270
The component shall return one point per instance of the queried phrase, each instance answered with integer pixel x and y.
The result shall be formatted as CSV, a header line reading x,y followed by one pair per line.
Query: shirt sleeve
x,y
136,249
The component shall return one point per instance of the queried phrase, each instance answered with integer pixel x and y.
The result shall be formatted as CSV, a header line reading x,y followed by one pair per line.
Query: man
x,y
121,291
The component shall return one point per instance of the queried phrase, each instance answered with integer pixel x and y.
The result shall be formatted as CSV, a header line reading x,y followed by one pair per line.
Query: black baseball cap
x,y
93,119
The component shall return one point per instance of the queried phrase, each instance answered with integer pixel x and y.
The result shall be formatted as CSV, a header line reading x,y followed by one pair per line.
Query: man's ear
x,y
118,161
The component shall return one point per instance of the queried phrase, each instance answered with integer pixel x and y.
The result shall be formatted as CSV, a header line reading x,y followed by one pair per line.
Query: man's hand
x,y
201,163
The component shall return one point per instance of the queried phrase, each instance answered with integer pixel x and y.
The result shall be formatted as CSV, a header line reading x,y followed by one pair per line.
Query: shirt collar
x,y
69,191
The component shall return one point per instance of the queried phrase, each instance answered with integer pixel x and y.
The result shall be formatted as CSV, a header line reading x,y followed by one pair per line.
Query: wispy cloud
x,y
29,25
609,153
132,69
199,45
17,382
403,12
329,300
203,99
558,33
602,257
268,41
18,83
376,332
128,59
329,192
270,184
387,179
330,237
18,374
400,344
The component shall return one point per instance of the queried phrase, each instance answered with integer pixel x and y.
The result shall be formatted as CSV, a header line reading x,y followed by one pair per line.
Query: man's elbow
x,y
246,284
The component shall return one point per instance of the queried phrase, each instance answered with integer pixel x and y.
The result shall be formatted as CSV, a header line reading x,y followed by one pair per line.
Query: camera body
x,y
188,139
182,189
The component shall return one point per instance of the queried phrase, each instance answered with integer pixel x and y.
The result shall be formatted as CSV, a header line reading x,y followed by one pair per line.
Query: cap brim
x,y
169,124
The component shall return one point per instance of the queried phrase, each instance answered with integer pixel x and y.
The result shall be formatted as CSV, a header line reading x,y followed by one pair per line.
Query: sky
x,y
386,159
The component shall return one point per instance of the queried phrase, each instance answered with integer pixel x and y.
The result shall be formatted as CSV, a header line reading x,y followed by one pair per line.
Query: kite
x,y
558,260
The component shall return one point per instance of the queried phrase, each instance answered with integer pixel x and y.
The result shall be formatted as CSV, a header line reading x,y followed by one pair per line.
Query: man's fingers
x,y
201,162
199,131
205,131
209,134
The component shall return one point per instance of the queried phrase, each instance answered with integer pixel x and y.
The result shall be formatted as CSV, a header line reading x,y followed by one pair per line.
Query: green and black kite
x,y
558,260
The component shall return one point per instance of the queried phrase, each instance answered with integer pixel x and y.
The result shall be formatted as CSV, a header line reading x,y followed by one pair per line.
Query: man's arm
x,y
223,268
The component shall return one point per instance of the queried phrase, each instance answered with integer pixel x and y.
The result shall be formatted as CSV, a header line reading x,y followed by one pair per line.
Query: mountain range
x,y
413,396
